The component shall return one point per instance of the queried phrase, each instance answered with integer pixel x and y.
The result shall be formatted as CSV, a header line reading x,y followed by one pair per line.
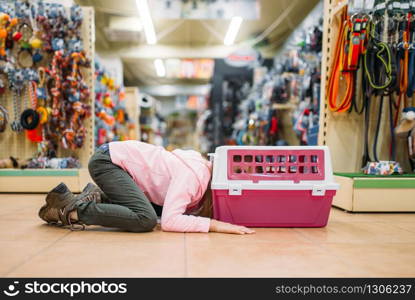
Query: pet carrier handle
x,y
318,190
235,189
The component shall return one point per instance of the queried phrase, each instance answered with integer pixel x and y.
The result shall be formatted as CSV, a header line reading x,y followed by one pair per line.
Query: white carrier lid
x,y
220,179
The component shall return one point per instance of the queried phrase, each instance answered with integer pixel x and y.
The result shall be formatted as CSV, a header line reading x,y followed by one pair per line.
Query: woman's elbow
x,y
169,224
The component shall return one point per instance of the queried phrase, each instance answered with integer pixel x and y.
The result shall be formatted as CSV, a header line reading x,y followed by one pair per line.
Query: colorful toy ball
x,y
17,36
36,43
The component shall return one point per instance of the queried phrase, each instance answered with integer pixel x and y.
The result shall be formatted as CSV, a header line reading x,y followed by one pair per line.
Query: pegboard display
x,y
344,132
18,144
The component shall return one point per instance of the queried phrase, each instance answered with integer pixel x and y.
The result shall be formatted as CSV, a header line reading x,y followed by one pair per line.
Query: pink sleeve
x,y
178,197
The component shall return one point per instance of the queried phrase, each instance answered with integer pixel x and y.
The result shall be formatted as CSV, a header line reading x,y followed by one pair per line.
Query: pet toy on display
x,y
111,122
41,54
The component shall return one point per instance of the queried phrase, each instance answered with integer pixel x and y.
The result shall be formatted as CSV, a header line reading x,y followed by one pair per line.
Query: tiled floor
x,y
352,245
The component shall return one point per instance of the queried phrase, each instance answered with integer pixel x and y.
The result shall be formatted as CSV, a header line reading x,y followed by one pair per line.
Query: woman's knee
x,y
149,221
146,222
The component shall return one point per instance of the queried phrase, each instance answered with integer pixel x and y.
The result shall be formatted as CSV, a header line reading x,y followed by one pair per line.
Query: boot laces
x,y
91,197
76,226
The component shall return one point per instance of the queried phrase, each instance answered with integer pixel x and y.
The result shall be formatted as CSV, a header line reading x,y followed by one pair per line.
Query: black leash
x,y
378,122
411,72
358,97
367,95
392,129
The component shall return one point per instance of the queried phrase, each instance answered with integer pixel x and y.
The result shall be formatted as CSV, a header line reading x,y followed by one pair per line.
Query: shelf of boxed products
x,y
152,125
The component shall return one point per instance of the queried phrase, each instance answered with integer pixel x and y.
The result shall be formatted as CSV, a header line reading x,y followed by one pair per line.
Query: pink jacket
x,y
175,180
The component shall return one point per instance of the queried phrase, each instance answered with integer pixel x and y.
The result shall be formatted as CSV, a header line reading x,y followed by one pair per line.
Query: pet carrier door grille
x,y
257,165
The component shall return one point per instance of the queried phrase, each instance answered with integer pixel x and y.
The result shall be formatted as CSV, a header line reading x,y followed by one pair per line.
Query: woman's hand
x,y
218,226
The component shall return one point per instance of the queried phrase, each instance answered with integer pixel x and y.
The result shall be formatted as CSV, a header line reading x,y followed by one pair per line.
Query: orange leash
x,y
339,75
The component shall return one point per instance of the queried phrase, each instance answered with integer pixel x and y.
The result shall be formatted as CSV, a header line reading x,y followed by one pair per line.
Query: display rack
x,y
146,118
132,98
343,133
17,145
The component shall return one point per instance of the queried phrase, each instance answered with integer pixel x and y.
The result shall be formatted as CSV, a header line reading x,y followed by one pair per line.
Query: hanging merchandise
x,y
204,131
41,77
373,72
283,107
152,124
4,115
112,122
146,102
234,91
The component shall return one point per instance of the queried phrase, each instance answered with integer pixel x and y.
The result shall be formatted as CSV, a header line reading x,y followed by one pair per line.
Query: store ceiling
x,y
190,38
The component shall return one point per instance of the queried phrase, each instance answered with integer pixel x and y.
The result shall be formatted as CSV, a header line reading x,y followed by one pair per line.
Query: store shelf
x,y
368,193
42,180
132,99
286,106
39,172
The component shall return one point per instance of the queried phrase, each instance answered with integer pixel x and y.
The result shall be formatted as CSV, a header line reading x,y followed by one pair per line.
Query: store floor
x,y
367,245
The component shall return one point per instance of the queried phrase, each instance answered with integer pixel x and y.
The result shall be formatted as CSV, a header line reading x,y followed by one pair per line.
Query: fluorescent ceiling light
x,y
125,23
147,21
232,31
160,69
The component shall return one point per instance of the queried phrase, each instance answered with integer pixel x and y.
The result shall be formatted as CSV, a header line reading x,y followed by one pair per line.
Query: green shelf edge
x,y
384,184
39,173
354,175
361,181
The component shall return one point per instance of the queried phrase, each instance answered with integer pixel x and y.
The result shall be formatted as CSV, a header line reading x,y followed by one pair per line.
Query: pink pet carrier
x,y
261,186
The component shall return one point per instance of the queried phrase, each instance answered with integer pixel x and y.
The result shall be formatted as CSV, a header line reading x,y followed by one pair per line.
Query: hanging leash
x,y
340,70
377,63
358,80
380,81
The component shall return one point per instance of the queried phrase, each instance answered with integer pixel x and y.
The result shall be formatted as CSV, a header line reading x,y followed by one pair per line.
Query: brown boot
x,y
60,197
49,212
92,189
64,214
49,215
90,193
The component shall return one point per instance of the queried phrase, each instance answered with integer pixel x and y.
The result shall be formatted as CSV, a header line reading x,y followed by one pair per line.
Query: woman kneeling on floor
x,y
133,179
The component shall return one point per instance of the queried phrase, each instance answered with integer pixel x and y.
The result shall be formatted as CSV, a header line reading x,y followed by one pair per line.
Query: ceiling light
x,y
232,30
160,69
125,23
147,21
